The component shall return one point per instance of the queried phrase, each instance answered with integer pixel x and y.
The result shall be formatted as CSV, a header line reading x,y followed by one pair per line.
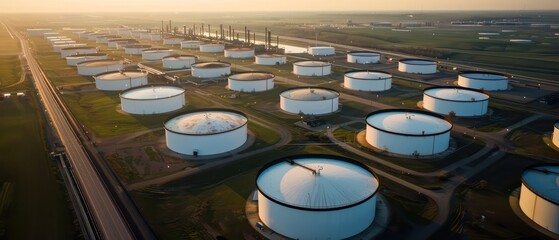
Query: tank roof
x,y
151,92
312,63
240,49
212,44
543,180
416,61
86,55
157,50
457,94
78,48
368,75
120,75
180,57
211,65
409,122
137,46
310,93
483,75
252,76
95,63
363,53
321,47
192,41
317,182
206,122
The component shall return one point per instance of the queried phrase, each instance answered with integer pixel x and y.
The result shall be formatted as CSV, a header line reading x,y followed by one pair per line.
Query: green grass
x,y
9,45
39,208
10,70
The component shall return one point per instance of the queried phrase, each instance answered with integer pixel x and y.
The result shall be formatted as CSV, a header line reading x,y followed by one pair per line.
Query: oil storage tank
x,y
73,60
461,102
212,48
94,67
239,52
316,196
417,66
172,41
251,81
309,100
312,68
555,136
65,52
363,57
206,131
191,44
135,49
321,51
488,81
408,131
539,195
210,69
151,54
120,80
152,99
270,59
372,81
179,61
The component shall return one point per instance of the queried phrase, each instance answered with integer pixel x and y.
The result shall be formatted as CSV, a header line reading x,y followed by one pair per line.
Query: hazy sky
x,y
268,5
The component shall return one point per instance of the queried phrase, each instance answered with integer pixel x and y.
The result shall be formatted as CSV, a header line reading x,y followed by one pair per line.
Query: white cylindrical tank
x,y
483,80
84,34
135,49
156,37
309,100
73,60
156,53
179,61
105,39
95,67
316,196
372,81
210,69
206,131
539,195
408,131
251,81
94,36
270,59
120,80
63,41
312,68
417,66
212,48
321,51
152,99
555,137
363,57
65,52
191,44
239,52
172,41
113,42
58,48
463,102
137,33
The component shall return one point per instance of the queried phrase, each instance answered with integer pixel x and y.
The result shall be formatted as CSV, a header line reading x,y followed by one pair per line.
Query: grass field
x,y
9,45
39,209
10,70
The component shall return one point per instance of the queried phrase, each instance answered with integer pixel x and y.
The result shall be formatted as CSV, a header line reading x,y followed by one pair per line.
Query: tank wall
x,y
309,107
66,53
489,85
156,37
190,45
300,224
205,48
311,71
417,69
90,71
172,41
367,85
270,61
119,85
152,106
363,59
251,86
322,51
74,61
177,64
155,55
239,54
206,144
210,72
461,109
133,51
555,137
541,211
407,145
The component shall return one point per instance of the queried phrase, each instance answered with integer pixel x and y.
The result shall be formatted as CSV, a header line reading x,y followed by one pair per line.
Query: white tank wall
x,y
212,48
156,37
363,59
73,61
210,72
555,137
301,224
189,45
489,85
206,144
134,51
461,109
58,48
94,70
154,106
367,85
312,71
309,107
66,53
541,211
172,41
417,69
155,55
251,86
239,54
119,85
178,64
270,61
145,36
112,44
407,145
322,51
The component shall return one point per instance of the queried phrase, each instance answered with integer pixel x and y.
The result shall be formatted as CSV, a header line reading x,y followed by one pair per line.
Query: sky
x,y
14,6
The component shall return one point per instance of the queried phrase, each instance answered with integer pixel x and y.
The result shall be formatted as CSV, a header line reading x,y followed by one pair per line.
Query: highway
x,y
108,218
